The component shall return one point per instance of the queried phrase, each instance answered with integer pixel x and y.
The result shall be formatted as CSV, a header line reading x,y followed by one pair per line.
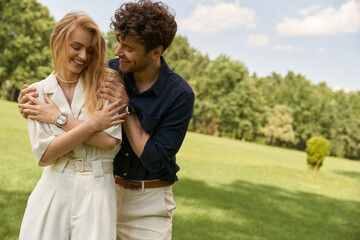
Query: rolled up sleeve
x,y
40,139
166,141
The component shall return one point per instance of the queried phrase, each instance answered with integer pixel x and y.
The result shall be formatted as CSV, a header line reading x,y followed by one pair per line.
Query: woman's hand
x,y
107,117
40,111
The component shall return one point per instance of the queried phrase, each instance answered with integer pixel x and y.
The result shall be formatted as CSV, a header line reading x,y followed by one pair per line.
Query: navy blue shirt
x,y
164,111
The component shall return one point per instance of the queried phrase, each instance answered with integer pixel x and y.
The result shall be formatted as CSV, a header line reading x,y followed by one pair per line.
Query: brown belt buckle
x,y
130,184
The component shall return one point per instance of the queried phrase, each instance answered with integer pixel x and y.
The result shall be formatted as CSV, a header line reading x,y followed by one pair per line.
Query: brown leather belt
x,y
131,184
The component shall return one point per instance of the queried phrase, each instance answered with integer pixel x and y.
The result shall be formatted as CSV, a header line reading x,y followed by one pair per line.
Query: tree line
x,y
277,110
230,102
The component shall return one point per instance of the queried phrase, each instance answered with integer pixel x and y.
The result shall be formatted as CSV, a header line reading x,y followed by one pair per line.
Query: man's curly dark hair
x,y
149,23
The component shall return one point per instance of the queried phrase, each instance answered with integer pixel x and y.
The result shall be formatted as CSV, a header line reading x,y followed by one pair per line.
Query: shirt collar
x,y
50,84
160,82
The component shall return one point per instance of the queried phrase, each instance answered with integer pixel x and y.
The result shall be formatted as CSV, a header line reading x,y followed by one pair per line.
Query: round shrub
x,y
317,148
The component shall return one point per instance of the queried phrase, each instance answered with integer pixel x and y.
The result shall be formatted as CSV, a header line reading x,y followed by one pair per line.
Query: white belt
x,y
80,165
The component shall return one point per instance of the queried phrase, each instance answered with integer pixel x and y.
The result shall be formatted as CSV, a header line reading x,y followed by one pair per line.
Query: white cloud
x,y
341,88
221,16
257,41
325,22
204,0
322,50
309,10
288,48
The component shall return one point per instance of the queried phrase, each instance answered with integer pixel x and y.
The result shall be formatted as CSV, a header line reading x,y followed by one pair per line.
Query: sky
x,y
319,39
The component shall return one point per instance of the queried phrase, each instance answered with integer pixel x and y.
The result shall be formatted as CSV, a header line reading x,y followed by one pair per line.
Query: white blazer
x,y
42,134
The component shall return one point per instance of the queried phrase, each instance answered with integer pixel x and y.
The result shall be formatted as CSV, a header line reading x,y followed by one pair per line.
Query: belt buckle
x,y
79,163
130,184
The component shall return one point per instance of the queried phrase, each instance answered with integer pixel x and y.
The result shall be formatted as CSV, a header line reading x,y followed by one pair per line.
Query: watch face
x,y
129,109
61,119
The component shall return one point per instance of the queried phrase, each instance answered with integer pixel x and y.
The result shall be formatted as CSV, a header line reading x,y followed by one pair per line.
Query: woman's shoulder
x,y
48,82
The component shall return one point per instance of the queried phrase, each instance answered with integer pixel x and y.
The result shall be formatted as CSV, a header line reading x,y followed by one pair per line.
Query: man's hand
x,y
39,111
114,90
23,99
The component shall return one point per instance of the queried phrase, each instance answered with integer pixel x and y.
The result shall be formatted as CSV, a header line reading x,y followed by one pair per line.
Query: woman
x,y
75,196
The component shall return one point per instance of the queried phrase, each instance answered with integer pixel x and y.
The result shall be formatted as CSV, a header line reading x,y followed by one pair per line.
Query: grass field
x,y
227,190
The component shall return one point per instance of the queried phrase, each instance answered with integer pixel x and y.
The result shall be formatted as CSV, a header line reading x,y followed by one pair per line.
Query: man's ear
x,y
157,52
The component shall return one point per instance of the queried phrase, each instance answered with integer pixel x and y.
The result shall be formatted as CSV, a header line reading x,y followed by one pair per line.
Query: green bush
x,y
317,148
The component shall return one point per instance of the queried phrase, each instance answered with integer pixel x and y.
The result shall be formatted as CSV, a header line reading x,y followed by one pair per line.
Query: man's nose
x,y
118,50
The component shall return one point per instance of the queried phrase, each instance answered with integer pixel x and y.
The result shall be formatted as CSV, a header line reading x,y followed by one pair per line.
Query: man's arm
x,y
136,134
157,150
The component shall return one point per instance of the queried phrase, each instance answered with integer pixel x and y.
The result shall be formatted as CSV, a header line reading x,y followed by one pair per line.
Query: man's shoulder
x,y
175,83
179,84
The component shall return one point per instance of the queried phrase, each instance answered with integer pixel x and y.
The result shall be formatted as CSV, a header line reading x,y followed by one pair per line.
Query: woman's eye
x,y
76,48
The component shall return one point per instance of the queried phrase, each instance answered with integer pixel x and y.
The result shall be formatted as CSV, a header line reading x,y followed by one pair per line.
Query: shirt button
x,y
125,174
126,154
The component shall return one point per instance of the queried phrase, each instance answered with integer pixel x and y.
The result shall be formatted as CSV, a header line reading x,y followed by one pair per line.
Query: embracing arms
x,y
46,112
155,139
48,147
66,142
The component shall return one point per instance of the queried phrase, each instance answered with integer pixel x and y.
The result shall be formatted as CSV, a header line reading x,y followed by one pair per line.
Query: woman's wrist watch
x,y
61,120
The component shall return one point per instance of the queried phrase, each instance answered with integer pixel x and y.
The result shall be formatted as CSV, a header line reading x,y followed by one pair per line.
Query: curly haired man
x,y
160,105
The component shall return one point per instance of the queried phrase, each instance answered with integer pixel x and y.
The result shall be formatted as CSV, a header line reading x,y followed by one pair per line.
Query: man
x,y
160,105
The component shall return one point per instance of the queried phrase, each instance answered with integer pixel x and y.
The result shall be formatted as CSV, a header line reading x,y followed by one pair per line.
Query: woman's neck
x,y
68,87
67,77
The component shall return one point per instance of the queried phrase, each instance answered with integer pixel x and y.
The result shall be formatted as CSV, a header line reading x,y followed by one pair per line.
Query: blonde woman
x,y
75,196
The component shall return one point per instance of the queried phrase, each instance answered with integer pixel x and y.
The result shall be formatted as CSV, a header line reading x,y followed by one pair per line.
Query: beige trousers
x,y
144,214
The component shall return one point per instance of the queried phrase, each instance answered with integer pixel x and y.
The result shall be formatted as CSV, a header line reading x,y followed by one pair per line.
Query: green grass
x,y
227,190
237,190
19,172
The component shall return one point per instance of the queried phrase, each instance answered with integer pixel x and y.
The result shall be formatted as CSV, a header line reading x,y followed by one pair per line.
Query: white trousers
x,y
144,214
68,205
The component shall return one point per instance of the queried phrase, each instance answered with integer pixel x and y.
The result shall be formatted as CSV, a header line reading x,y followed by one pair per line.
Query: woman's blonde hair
x,y
94,73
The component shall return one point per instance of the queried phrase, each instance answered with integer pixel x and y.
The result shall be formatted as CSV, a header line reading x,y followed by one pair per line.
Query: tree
x,y
317,148
326,106
296,92
347,125
222,75
191,65
111,41
243,110
25,56
213,86
279,126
